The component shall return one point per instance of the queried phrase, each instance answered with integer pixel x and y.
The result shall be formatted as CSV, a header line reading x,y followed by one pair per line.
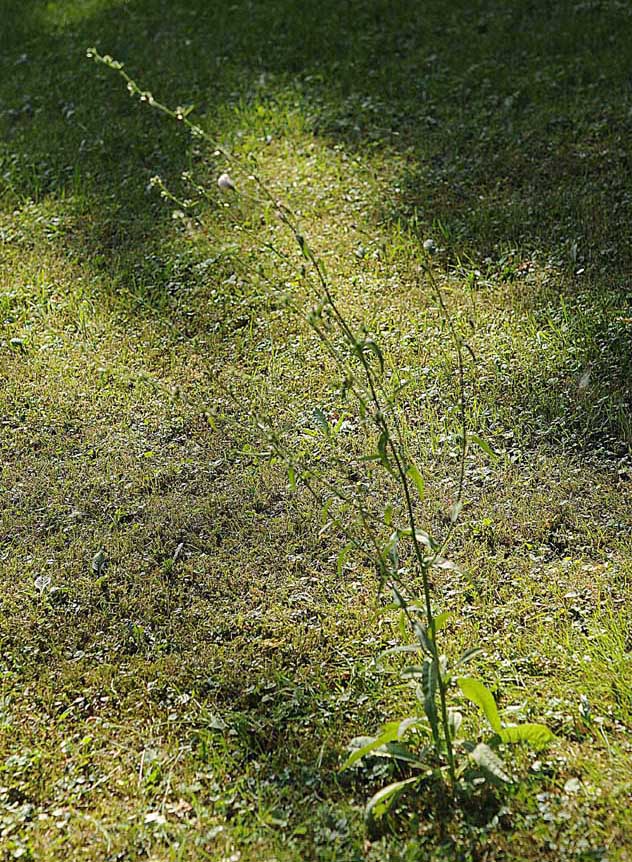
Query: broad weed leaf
x,y
398,751
423,637
382,443
421,537
482,444
483,698
383,800
455,720
387,743
534,734
398,650
455,511
415,476
468,655
407,724
424,539
440,621
389,733
303,246
490,763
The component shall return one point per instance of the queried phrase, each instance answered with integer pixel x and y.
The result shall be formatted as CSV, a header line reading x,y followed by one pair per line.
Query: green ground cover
x,y
193,698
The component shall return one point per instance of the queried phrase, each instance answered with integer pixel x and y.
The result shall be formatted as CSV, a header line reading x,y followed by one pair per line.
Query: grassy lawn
x,y
182,661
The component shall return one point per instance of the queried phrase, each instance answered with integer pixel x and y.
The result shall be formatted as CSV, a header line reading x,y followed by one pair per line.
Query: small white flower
x,y
42,583
429,246
225,183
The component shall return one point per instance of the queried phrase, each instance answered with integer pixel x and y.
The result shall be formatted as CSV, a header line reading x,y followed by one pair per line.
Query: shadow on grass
x,y
510,123
516,119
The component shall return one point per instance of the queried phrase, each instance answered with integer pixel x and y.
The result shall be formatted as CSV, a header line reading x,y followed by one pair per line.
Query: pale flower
x,y
225,183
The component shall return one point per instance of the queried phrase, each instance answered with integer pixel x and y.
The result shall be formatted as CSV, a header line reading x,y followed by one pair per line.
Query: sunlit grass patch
x,y
192,695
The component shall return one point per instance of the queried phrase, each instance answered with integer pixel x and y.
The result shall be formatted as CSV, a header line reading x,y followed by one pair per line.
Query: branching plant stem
x,y
370,403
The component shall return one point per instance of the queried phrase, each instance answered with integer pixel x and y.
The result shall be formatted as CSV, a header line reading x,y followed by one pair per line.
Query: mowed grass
x,y
193,698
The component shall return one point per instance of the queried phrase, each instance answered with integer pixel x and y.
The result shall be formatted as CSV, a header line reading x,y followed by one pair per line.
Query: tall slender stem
x,y
358,349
